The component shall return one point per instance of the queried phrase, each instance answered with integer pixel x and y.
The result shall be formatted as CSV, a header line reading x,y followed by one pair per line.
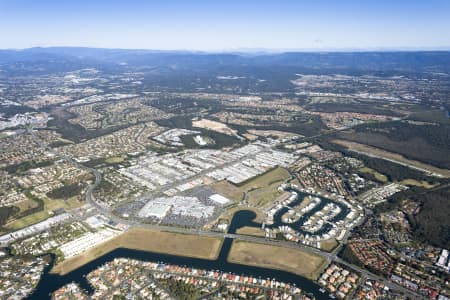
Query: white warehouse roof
x,y
219,199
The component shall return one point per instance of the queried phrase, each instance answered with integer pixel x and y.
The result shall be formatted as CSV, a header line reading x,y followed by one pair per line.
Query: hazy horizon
x,y
249,50
227,26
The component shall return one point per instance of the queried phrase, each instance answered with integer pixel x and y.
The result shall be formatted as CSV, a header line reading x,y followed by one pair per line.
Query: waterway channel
x,y
245,220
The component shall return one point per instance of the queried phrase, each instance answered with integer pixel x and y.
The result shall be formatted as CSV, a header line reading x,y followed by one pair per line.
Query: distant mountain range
x,y
68,57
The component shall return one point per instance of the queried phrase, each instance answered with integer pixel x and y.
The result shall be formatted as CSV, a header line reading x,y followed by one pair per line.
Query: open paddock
x,y
148,240
276,257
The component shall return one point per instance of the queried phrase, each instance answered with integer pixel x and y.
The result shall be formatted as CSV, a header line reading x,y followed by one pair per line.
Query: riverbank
x,y
147,240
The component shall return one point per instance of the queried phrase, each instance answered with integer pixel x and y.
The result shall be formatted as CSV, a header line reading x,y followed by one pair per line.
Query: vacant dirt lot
x,y
215,126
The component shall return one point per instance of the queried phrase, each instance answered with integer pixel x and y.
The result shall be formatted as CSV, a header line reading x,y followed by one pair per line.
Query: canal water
x,y
51,282
245,218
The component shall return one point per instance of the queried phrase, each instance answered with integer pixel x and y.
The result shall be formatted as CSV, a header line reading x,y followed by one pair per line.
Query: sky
x,y
227,25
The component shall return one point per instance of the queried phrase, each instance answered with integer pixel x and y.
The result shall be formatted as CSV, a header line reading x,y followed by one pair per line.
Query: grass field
x,y
261,190
148,240
275,257
380,177
228,214
250,231
328,245
413,182
49,205
250,137
114,160
273,133
229,190
376,152
26,205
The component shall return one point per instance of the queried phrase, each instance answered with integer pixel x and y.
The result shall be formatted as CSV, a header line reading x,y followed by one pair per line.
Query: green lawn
x,y
261,190
380,177
39,216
